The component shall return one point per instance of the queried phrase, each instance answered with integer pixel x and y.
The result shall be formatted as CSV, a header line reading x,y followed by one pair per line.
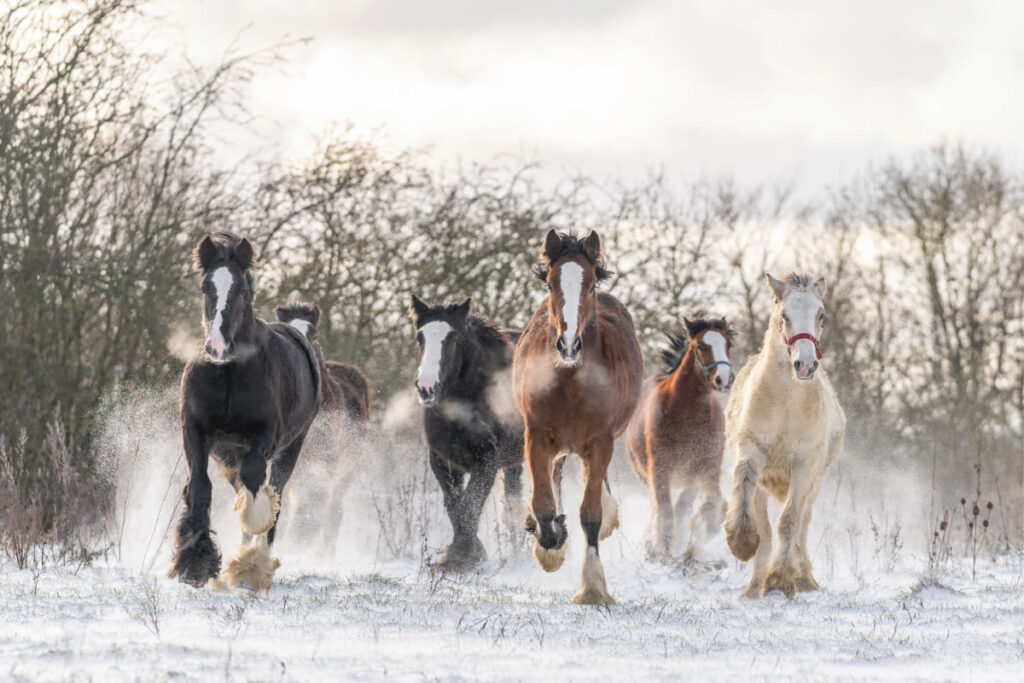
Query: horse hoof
x,y
753,591
197,562
461,557
251,568
257,514
550,560
781,579
806,583
609,515
593,587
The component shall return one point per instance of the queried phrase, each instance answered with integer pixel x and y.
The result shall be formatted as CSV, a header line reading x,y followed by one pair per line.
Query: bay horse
x,y
345,387
677,435
248,397
784,427
577,376
471,427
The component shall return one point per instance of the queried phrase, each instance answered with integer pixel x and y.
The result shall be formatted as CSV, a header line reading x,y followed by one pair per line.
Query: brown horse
x,y
677,435
345,387
577,374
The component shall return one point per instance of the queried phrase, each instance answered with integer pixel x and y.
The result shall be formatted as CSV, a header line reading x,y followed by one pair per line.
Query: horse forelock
x,y
571,247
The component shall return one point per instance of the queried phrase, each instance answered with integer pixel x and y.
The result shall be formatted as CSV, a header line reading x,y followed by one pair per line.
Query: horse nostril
x,y
797,365
577,345
560,345
718,380
815,366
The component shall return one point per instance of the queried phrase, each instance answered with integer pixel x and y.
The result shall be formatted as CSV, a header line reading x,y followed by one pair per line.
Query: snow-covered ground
x,y
359,604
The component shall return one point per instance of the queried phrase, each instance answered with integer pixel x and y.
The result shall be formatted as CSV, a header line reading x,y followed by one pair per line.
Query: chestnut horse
x,y
577,374
677,435
785,428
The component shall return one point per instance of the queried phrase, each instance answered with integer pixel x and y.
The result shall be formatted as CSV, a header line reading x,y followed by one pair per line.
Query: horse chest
x,y
229,402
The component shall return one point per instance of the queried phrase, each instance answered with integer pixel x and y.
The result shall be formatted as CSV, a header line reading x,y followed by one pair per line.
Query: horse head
x,y
225,259
800,317
439,330
571,269
712,341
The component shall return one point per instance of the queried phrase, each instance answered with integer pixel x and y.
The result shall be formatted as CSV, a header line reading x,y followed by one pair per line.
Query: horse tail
x,y
740,525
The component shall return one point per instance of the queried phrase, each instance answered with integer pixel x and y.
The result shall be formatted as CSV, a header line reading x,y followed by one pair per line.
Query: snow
x,y
359,602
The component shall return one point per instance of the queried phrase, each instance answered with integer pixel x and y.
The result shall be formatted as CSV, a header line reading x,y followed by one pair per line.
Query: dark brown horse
x,y
677,435
577,375
345,387
248,398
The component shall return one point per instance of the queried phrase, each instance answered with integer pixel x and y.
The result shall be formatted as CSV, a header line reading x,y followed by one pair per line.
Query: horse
x,y
248,397
784,427
471,427
577,376
345,387
677,435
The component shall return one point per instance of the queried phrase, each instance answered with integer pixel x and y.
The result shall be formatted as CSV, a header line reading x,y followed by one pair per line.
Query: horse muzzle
x,y
805,370
428,394
573,355
218,350
724,383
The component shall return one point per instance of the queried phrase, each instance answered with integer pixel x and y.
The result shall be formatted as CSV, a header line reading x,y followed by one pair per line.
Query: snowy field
x,y
358,602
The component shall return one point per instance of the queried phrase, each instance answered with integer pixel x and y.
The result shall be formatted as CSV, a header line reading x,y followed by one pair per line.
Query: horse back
x,y
620,351
350,388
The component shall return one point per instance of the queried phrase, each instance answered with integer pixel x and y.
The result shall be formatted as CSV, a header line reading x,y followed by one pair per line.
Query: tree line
x,y
108,176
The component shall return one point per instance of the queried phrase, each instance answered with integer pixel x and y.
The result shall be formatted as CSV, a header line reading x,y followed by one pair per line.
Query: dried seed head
x,y
989,506
984,523
976,510
963,501
942,527
936,534
970,525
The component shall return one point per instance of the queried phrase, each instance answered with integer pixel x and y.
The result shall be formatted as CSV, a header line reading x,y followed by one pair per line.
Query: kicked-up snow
x,y
354,598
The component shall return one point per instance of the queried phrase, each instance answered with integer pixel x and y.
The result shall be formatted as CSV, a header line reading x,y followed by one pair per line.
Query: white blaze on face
x,y
719,352
301,325
572,288
222,281
434,334
802,309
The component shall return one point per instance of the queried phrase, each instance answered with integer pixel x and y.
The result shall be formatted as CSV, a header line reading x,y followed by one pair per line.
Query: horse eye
x,y
593,288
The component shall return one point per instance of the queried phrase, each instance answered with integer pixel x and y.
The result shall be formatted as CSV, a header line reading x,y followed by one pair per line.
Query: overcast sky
x,y
760,90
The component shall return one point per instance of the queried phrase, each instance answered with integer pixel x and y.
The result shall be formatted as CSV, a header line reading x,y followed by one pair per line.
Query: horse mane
x,y
307,312
491,336
678,340
570,246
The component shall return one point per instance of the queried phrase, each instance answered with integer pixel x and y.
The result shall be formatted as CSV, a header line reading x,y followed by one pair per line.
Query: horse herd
x,y
572,381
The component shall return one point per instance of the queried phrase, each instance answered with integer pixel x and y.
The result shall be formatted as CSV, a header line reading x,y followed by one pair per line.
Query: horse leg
x,y
253,565
468,508
662,514
543,522
740,525
450,481
196,558
764,548
805,581
512,480
706,522
784,569
257,503
593,588
681,512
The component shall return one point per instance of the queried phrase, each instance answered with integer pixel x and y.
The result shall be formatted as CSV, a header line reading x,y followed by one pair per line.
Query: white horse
x,y
784,428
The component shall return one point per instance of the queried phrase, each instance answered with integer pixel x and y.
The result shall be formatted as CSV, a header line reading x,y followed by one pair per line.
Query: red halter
x,y
803,335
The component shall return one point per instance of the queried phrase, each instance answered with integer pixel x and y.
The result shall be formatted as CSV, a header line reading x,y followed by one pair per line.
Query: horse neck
x,y
688,378
471,380
775,360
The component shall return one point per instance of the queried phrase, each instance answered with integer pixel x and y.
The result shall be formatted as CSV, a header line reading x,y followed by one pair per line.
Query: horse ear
x,y
820,288
279,312
778,287
315,314
689,326
552,242
462,311
417,309
244,254
592,246
204,254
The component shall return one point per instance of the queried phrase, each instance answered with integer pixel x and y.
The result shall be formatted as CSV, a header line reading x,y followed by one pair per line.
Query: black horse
x,y
471,424
248,398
